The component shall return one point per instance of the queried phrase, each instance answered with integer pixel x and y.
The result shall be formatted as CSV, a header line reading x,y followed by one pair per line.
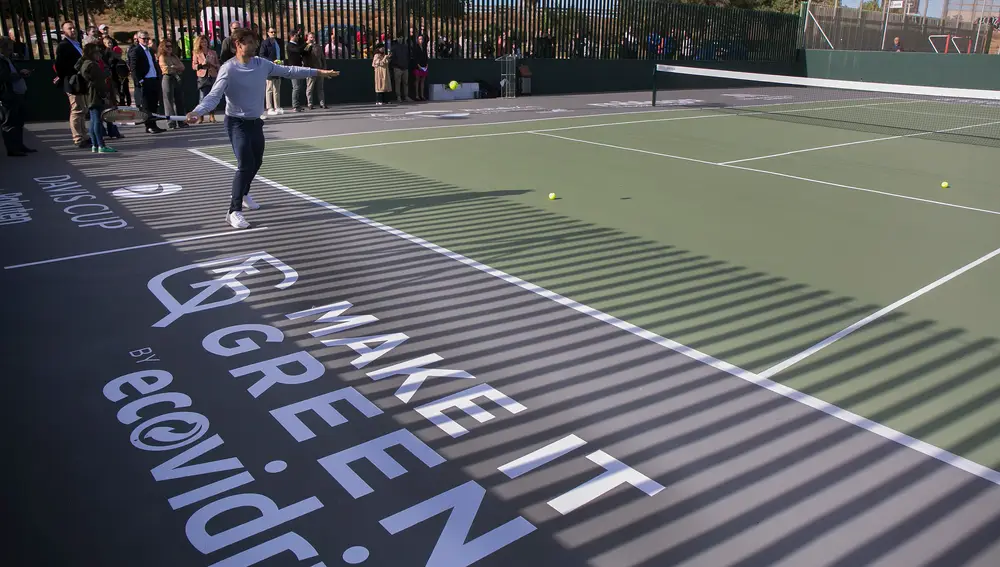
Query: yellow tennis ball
x,y
552,196
453,85
944,184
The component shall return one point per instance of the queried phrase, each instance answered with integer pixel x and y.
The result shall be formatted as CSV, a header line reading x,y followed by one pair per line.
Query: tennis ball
x,y
944,184
453,85
552,196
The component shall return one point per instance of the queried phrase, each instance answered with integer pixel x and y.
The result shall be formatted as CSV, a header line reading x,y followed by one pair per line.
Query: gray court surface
x,y
320,391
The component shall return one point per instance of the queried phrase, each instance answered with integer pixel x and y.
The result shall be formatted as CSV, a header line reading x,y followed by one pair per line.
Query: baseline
x,y
136,247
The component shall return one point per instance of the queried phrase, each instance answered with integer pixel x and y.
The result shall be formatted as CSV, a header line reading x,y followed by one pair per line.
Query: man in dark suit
x,y
293,57
12,91
68,52
146,78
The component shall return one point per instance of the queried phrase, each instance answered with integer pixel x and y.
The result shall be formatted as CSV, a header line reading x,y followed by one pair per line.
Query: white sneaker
x,y
272,112
249,203
281,111
263,116
236,219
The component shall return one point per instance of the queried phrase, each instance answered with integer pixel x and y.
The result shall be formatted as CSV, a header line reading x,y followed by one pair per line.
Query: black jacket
x,y
139,64
294,54
400,55
271,48
66,58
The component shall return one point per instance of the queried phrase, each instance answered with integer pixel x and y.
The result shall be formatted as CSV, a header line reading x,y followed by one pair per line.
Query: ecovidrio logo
x,y
148,190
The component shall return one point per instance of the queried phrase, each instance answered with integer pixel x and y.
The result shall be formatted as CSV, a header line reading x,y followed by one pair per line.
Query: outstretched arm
x,y
292,72
213,98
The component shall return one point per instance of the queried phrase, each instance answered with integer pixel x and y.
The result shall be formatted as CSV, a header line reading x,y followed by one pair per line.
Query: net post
x,y
655,70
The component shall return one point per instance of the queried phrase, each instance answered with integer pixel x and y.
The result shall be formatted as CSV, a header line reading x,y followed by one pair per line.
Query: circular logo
x,y
143,191
180,428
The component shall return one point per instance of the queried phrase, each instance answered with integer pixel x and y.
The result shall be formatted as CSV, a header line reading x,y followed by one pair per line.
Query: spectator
x,y
19,51
313,58
294,59
273,50
118,71
334,49
216,43
145,78
896,45
68,52
227,51
106,62
205,63
380,61
400,62
173,95
12,90
420,64
95,94
105,30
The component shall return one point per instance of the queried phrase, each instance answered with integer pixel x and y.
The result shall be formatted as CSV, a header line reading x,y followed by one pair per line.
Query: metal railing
x,y
486,29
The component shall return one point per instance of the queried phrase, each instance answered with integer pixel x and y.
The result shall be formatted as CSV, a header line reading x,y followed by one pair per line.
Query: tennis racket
x,y
133,115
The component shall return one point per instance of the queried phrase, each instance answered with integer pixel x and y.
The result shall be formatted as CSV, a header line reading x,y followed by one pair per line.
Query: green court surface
x,y
752,262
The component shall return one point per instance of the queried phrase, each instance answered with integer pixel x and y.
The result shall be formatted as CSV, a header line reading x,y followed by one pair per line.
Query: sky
x,y
933,7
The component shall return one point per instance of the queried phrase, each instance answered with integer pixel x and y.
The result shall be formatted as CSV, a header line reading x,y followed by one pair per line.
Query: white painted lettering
x,y
434,411
169,438
368,354
213,342
273,374
338,464
178,467
451,549
210,490
270,516
287,416
540,457
140,352
113,389
332,314
129,413
227,279
616,474
290,541
416,374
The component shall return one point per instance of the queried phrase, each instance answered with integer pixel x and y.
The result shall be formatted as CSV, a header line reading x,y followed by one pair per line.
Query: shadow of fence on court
x,y
735,461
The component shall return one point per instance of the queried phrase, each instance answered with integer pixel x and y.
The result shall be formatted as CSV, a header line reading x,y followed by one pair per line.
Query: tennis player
x,y
242,80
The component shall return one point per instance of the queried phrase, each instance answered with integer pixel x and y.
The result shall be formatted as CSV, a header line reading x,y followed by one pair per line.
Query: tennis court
x,y
748,330
667,221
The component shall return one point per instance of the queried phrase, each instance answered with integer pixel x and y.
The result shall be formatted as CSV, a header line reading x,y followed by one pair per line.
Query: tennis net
x,y
969,116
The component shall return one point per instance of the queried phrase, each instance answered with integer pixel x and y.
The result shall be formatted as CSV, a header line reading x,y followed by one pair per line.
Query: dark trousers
x,y
247,137
147,97
12,123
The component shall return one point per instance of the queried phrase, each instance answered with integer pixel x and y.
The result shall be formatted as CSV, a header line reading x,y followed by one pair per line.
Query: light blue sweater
x,y
244,85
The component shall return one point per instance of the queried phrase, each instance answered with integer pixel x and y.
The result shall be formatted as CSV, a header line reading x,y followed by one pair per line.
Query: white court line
x,y
568,117
859,142
578,127
775,173
790,393
138,247
489,135
873,317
